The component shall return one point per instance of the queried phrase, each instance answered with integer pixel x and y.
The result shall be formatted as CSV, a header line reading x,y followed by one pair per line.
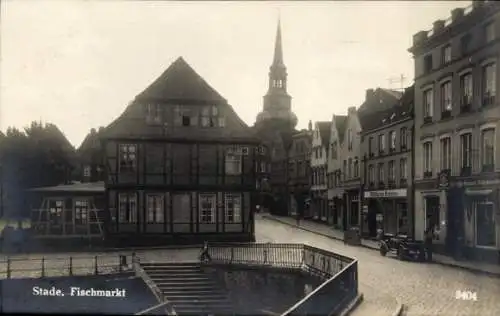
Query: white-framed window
x,y
370,146
56,208
155,208
404,138
391,171
446,54
485,224
232,208
349,170
445,153
209,116
86,171
490,80
427,161
446,98
466,89
488,148
403,168
381,142
466,150
428,103
81,211
232,163
371,174
153,113
489,32
381,173
128,157
207,206
127,208
392,137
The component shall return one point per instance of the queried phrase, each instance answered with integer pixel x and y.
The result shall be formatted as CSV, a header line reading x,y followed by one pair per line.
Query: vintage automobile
x,y
402,246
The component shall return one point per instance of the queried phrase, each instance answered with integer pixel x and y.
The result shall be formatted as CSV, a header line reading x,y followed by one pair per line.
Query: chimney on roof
x,y
419,37
92,131
438,25
370,93
310,125
351,109
456,14
101,129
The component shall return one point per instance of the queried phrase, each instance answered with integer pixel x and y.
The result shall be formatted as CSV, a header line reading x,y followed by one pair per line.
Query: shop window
x,y
485,224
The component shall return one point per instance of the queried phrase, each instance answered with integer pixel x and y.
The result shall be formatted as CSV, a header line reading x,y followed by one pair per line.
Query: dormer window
x,y
183,117
209,116
153,113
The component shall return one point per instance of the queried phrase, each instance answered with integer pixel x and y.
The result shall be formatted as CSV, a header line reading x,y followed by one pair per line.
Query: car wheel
x,y
383,250
401,251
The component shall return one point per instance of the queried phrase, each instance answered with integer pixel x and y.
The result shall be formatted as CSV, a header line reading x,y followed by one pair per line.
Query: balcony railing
x,y
340,273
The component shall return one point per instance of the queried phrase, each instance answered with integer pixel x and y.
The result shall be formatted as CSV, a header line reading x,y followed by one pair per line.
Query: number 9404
x,y
466,295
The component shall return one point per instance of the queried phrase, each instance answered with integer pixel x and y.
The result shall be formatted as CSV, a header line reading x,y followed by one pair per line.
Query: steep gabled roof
x,y
324,132
178,85
180,82
340,123
400,110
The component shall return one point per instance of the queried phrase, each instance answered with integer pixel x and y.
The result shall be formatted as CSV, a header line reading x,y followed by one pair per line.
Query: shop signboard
x,y
396,193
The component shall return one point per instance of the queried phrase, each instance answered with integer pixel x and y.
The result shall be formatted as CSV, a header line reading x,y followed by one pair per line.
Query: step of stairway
x,y
192,291
198,301
195,296
181,265
178,282
202,312
171,271
176,274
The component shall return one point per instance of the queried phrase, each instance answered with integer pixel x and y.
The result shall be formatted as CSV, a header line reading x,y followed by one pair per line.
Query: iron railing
x,y
340,273
63,266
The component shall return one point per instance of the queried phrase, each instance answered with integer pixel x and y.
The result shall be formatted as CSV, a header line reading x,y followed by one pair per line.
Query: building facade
x,y
180,165
387,173
299,171
318,208
334,170
350,178
457,115
275,126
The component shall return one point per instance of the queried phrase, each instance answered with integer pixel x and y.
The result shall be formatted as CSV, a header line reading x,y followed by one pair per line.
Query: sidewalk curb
x,y
451,265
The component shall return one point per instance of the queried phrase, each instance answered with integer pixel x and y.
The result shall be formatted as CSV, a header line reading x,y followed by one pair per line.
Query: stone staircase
x,y
190,290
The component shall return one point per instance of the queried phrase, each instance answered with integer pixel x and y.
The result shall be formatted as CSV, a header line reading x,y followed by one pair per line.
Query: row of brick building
x,y
402,161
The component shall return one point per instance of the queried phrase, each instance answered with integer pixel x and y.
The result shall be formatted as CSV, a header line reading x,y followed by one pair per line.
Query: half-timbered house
x,y
180,164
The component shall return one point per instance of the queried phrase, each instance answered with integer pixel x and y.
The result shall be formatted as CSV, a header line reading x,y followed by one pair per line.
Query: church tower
x,y
277,110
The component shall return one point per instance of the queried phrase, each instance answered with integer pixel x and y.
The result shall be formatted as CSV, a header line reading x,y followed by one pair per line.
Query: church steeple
x,y
277,102
278,49
277,71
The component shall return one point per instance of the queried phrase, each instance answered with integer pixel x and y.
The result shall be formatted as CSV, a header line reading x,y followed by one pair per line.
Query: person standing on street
x,y
429,236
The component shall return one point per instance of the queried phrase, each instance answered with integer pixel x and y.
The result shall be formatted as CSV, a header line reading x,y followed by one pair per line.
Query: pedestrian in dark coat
x,y
429,236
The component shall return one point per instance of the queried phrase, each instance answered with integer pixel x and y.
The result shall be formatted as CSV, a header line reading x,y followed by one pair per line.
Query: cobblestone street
x,y
426,289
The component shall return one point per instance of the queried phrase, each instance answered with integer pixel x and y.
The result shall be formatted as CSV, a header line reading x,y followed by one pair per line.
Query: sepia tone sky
x,y
78,63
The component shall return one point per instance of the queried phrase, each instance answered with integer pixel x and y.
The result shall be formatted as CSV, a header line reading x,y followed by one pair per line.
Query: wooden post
x,y
96,272
8,268
70,266
43,267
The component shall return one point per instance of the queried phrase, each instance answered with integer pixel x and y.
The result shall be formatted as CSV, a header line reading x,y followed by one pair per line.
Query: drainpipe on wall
x,y
412,182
